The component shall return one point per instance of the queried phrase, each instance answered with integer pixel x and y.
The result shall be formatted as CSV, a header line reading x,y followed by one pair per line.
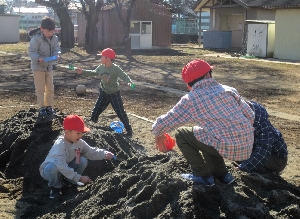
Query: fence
x,y
190,26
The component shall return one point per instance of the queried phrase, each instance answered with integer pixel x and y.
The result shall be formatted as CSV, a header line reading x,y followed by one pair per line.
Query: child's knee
x,y
50,168
180,132
83,161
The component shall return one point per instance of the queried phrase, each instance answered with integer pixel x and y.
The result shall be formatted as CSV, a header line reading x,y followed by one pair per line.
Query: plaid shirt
x,y
267,140
223,119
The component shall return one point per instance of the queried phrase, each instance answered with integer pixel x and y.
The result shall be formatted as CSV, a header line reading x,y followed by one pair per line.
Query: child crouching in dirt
x,y
269,152
67,158
223,126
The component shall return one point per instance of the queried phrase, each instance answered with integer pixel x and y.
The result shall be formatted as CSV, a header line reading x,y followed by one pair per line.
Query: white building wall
x,y
287,34
9,33
30,18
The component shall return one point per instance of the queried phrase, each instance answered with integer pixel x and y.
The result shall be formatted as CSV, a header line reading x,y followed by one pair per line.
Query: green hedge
x,y
184,38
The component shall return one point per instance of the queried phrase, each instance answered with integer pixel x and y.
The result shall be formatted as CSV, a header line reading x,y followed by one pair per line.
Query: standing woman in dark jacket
x,y
269,152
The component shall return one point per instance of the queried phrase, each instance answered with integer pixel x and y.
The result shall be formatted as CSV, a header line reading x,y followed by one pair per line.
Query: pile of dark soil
x,y
141,186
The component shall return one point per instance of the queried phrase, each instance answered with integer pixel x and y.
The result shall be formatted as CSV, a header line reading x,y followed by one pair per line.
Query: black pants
x,y
115,100
274,164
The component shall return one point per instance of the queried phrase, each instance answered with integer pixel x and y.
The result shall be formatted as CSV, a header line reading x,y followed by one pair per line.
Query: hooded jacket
x,y
41,47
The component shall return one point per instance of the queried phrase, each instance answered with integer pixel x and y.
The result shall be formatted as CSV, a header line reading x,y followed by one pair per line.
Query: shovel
x,y
118,158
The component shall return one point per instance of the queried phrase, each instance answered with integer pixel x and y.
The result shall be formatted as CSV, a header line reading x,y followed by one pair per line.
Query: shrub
x,y
23,36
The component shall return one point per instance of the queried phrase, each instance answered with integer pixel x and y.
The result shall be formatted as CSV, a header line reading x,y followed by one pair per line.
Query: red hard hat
x,y
76,123
108,52
195,69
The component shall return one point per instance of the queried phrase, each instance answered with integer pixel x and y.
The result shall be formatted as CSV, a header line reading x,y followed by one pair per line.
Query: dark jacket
x,y
267,140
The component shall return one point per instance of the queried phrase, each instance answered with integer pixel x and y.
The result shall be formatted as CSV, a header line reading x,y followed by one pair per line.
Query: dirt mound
x,y
141,186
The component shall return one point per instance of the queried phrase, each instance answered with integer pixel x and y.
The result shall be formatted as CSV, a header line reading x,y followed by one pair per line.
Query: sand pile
x,y
141,186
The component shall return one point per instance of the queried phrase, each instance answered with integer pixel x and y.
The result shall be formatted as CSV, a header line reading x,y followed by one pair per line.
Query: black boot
x,y
93,119
128,132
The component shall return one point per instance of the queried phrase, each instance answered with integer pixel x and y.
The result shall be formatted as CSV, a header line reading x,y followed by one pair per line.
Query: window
x,y
135,27
146,27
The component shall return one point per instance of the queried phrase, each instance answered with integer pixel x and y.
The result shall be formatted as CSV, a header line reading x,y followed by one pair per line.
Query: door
x,y
257,40
146,35
135,30
141,34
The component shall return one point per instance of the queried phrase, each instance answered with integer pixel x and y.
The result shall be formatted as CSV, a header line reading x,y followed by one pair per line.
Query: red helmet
x,y
195,69
76,123
109,53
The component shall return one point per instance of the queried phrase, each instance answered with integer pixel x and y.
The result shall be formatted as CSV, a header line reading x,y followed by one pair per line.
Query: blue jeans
x,y
53,176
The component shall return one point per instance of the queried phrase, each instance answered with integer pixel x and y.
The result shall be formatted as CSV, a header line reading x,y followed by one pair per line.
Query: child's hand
x,y
41,60
58,55
79,70
109,155
160,143
85,179
132,85
236,165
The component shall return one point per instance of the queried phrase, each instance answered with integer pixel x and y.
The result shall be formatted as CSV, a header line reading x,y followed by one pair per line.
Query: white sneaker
x,y
80,184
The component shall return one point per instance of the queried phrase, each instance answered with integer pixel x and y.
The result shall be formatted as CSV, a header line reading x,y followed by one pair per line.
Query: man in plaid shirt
x,y
269,150
224,125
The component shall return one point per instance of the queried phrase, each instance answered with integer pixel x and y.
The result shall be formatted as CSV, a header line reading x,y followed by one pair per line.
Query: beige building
x,y
265,28
227,19
287,34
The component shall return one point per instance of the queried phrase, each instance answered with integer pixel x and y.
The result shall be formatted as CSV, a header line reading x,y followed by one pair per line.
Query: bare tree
x,y
124,9
125,22
92,18
182,8
60,7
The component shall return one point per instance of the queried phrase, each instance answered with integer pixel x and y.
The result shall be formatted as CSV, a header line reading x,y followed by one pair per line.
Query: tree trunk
x,y
66,24
91,16
126,24
67,28
91,36
127,41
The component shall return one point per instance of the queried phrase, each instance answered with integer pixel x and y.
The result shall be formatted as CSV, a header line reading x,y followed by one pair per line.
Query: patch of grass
x,y
22,47
79,50
15,47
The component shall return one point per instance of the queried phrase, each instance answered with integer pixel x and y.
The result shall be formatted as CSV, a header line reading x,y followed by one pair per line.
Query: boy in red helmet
x,y
69,156
109,92
223,125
